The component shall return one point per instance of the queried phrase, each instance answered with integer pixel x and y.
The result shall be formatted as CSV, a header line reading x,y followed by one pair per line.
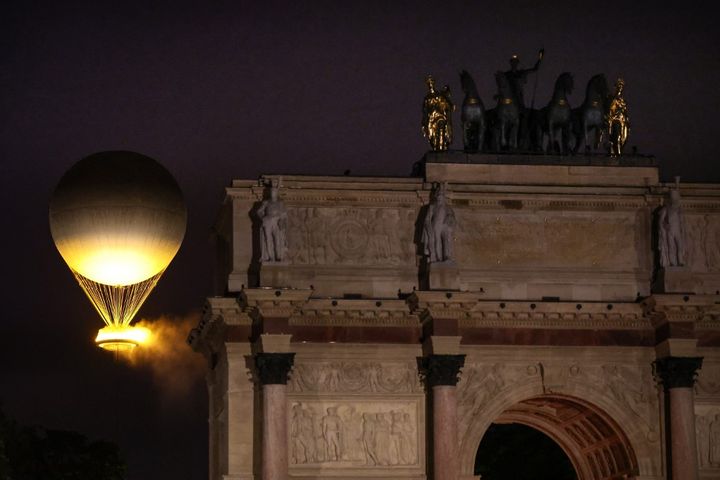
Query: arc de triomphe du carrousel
x,y
376,327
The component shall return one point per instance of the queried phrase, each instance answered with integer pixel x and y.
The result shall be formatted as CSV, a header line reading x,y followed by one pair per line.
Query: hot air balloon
x,y
118,219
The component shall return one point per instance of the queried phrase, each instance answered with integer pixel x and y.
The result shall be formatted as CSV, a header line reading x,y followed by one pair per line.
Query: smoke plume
x,y
174,366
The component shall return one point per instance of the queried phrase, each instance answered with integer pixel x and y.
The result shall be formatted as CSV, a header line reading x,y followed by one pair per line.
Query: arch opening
x,y
594,443
522,453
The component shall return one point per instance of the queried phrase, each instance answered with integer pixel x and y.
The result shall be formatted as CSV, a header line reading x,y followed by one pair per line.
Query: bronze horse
x,y
472,115
589,118
505,116
555,118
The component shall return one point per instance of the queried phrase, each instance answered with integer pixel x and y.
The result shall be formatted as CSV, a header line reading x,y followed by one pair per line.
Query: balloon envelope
x,y
117,218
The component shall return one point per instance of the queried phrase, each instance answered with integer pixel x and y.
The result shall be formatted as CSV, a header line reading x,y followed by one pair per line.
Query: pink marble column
x,y
445,455
678,376
272,370
682,434
442,377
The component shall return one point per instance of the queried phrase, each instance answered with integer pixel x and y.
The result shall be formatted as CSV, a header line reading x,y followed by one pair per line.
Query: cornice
x,y
355,313
273,302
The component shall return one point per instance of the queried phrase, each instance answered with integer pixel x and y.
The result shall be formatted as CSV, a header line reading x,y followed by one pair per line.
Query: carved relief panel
x,y
355,434
348,414
702,234
351,236
549,239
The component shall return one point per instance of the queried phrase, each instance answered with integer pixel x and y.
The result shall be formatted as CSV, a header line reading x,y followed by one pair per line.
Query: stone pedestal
x,y
675,280
274,274
443,276
272,370
441,373
678,376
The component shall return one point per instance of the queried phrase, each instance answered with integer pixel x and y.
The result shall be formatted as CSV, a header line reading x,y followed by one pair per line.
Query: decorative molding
x,y
354,377
273,368
273,302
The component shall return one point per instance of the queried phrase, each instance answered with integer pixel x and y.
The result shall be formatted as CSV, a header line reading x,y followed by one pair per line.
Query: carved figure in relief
x,y
407,445
273,226
714,441
671,234
396,437
478,386
368,438
352,436
438,227
332,429
382,439
630,393
702,427
303,445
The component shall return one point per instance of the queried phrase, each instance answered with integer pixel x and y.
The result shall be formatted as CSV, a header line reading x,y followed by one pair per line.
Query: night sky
x,y
225,90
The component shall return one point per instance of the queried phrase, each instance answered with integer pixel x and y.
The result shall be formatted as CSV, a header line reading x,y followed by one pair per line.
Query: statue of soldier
x,y
517,78
273,226
671,234
437,116
438,227
617,121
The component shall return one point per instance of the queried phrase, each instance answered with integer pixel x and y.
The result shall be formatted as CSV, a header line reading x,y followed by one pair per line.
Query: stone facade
x,y
554,306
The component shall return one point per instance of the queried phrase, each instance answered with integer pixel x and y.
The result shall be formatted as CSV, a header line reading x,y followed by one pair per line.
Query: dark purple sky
x,y
227,90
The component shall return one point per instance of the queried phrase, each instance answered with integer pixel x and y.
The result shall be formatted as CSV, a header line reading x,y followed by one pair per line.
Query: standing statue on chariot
x,y
617,121
517,78
437,116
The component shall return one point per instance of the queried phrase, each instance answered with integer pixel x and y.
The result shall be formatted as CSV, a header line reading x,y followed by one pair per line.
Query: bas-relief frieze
x,y
351,236
344,434
703,242
579,241
632,389
353,377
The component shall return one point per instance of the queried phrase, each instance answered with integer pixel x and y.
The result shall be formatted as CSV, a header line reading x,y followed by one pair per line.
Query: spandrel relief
x,y
354,377
354,434
631,387
486,240
707,386
351,236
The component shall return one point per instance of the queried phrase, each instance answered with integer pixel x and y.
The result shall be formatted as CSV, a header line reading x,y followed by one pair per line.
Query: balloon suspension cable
x,y
117,305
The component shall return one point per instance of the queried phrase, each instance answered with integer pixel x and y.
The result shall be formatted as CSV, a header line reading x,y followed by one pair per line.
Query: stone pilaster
x,y
272,372
677,375
441,377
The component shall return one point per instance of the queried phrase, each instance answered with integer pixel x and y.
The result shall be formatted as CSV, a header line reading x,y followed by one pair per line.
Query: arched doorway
x,y
593,442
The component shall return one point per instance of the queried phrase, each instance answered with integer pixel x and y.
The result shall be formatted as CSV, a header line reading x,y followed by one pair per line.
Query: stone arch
x,y
594,443
593,425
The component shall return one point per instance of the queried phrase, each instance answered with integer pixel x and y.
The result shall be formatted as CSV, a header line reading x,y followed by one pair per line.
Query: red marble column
x,y
272,370
678,376
441,378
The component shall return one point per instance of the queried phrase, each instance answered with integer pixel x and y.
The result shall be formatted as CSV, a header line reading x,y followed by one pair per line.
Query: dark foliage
x,y
35,453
